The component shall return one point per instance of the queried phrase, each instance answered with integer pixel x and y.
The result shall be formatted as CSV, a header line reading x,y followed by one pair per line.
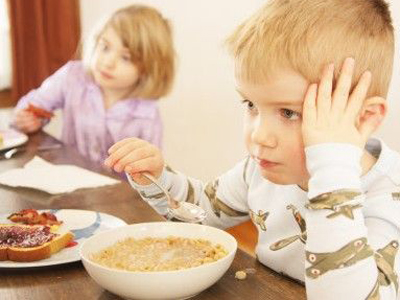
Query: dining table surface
x,y
71,281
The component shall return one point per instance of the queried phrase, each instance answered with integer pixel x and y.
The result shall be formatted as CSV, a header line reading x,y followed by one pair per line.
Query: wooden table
x,y
70,281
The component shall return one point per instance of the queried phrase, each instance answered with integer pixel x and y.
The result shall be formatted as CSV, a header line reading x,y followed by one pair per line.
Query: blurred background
x,y
202,115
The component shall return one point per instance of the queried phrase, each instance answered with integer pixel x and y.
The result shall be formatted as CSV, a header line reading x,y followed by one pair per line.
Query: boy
x,y
324,197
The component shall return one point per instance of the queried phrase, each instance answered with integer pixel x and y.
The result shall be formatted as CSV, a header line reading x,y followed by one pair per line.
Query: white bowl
x,y
180,284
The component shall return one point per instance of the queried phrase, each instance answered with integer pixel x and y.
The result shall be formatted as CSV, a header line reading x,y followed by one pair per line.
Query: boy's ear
x,y
372,114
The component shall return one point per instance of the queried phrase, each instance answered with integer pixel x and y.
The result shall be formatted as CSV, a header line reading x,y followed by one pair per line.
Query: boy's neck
x,y
367,162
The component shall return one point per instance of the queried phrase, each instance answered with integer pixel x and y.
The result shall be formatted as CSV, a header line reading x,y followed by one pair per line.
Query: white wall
x,y
202,116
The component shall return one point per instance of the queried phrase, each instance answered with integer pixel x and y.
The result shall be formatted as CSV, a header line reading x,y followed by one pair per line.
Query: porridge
x,y
158,254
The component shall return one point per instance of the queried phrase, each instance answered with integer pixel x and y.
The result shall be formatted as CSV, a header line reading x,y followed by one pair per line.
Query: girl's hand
x,y
332,116
135,156
26,121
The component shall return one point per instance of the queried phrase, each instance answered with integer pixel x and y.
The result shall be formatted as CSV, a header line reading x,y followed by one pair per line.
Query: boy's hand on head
x,y
332,116
26,121
134,156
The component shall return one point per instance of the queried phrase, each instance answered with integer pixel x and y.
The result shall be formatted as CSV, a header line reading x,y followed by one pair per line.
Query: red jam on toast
x,y
24,243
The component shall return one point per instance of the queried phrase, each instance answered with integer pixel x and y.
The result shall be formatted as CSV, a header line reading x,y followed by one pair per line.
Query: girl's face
x,y
111,65
272,126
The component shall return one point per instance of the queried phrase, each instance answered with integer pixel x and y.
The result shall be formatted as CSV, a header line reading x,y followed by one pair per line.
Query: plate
x,y
83,223
12,138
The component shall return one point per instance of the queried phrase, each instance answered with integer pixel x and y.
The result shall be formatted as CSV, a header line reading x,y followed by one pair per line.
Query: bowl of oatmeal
x,y
159,260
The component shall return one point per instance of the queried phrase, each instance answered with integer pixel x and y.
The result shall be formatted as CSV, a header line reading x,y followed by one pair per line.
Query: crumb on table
x,y
241,275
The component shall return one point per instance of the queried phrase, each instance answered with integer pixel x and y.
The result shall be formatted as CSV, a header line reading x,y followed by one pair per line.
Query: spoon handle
x,y
171,202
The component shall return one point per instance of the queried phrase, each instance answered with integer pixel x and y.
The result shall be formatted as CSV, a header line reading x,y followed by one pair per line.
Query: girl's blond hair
x,y
148,36
307,34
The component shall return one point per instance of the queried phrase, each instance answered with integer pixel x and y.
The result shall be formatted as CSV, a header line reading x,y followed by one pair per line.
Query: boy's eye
x,y
249,105
290,114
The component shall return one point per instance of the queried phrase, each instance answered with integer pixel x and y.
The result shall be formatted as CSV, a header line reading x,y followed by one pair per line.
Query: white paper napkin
x,y
54,179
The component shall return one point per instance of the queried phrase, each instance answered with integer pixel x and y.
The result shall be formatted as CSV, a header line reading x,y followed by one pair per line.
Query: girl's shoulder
x,y
76,71
77,67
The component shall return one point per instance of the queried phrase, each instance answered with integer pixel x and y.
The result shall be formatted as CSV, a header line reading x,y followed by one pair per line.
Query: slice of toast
x,y
34,242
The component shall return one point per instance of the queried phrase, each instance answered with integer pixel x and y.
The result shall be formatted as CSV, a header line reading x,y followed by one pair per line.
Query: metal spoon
x,y
8,154
184,211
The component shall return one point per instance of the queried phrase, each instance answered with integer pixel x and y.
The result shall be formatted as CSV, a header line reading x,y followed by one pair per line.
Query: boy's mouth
x,y
266,164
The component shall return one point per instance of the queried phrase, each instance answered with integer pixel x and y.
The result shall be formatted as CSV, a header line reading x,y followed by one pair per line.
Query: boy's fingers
x,y
131,157
144,165
121,143
325,92
138,178
119,153
115,157
118,144
125,149
122,149
309,106
358,96
342,90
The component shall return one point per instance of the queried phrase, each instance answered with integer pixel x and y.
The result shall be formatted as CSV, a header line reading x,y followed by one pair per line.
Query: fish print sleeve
x,y
352,237
224,199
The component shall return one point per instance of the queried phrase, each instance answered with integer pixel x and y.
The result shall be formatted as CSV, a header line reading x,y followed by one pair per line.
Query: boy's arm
x,y
350,251
352,241
224,199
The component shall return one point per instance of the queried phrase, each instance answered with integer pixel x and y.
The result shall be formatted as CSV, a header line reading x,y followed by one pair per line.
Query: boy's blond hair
x,y
148,36
307,34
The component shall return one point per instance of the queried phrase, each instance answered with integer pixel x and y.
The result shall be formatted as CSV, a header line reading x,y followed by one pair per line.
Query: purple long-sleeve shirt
x,y
87,125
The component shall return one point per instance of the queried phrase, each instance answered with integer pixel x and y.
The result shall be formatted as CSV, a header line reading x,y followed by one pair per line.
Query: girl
x,y
128,63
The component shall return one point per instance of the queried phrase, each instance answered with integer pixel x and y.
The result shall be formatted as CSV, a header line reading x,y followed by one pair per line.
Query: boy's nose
x,y
264,135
